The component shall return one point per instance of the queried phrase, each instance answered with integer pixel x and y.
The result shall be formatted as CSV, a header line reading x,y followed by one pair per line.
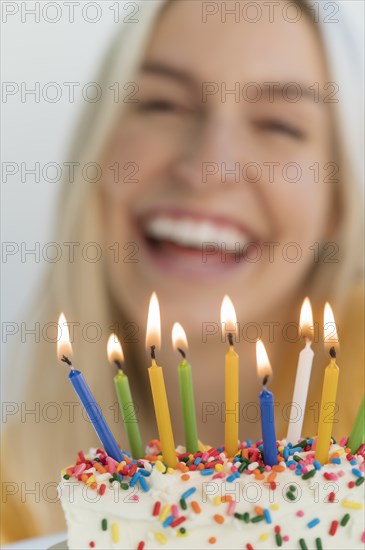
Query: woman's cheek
x,y
298,197
143,156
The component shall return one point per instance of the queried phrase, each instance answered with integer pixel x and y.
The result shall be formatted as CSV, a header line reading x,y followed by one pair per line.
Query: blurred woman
x,y
230,164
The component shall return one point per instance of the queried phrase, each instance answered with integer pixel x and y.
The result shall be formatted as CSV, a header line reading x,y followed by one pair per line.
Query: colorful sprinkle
x,y
160,537
313,523
345,520
207,472
178,521
156,508
278,539
267,516
353,505
102,489
115,532
165,512
168,521
187,493
218,518
333,527
160,466
309,474
196,507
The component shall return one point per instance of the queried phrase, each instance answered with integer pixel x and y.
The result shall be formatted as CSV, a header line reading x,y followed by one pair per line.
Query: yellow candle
x,y
329,391
229,323
158,389
162,414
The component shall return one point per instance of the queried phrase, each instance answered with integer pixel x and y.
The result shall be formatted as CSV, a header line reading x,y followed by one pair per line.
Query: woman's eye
x,y
280,127
163,106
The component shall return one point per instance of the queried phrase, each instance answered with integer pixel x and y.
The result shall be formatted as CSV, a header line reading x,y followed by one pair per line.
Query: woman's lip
x,y
189,264
186,263
179,213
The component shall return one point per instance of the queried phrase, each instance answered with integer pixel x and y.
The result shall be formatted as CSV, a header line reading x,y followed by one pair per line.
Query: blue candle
x,y
94,413
84,393
268,427
266,408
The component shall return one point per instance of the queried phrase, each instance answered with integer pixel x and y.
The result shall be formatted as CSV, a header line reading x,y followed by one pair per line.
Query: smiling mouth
x,y
195,244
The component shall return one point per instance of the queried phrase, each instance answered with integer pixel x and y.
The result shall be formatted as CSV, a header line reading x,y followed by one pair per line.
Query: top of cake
x,y
210,500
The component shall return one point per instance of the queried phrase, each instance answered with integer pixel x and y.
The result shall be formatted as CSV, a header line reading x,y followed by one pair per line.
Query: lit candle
x,y
266,407
179,342
357,436
229,324
64,352
153,337
115,355
303,375
329,390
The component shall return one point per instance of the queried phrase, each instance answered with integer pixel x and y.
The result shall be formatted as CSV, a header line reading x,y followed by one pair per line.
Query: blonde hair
x,y
80,289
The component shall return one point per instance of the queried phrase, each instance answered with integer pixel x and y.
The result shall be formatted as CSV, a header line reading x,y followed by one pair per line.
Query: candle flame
x,y
153,333
306,319
263,364
179,339
63,339
329,329
115,352
228,316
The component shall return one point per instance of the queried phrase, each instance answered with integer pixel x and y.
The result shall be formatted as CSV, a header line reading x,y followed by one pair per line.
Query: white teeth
x,y
193,233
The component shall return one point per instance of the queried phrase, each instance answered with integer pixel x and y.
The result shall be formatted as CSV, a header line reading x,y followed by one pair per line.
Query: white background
x,y
40,132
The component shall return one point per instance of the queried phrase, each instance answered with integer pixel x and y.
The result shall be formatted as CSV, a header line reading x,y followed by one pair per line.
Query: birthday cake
x,y
211,501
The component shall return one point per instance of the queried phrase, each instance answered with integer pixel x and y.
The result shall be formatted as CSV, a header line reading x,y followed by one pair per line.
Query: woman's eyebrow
x,y
161,69
300,90
270,91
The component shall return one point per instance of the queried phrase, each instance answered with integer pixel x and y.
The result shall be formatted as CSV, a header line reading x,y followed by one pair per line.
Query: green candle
x,y
125,400
357,436
186,391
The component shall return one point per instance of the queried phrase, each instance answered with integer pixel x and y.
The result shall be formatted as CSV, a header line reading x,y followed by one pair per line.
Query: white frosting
x,y
85,509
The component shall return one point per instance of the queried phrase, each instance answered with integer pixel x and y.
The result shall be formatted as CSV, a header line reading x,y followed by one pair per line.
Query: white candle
x,y
304,368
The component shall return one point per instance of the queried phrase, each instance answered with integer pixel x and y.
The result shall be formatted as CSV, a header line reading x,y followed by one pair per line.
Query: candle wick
x,y
332,352
65,359
153,354
182,352
119,364
265,380
230,338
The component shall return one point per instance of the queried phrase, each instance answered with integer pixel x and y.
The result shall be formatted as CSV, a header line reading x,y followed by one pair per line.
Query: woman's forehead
x,y
231,48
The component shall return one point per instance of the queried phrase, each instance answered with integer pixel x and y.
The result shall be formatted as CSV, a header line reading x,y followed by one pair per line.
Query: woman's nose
x,y
212,154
